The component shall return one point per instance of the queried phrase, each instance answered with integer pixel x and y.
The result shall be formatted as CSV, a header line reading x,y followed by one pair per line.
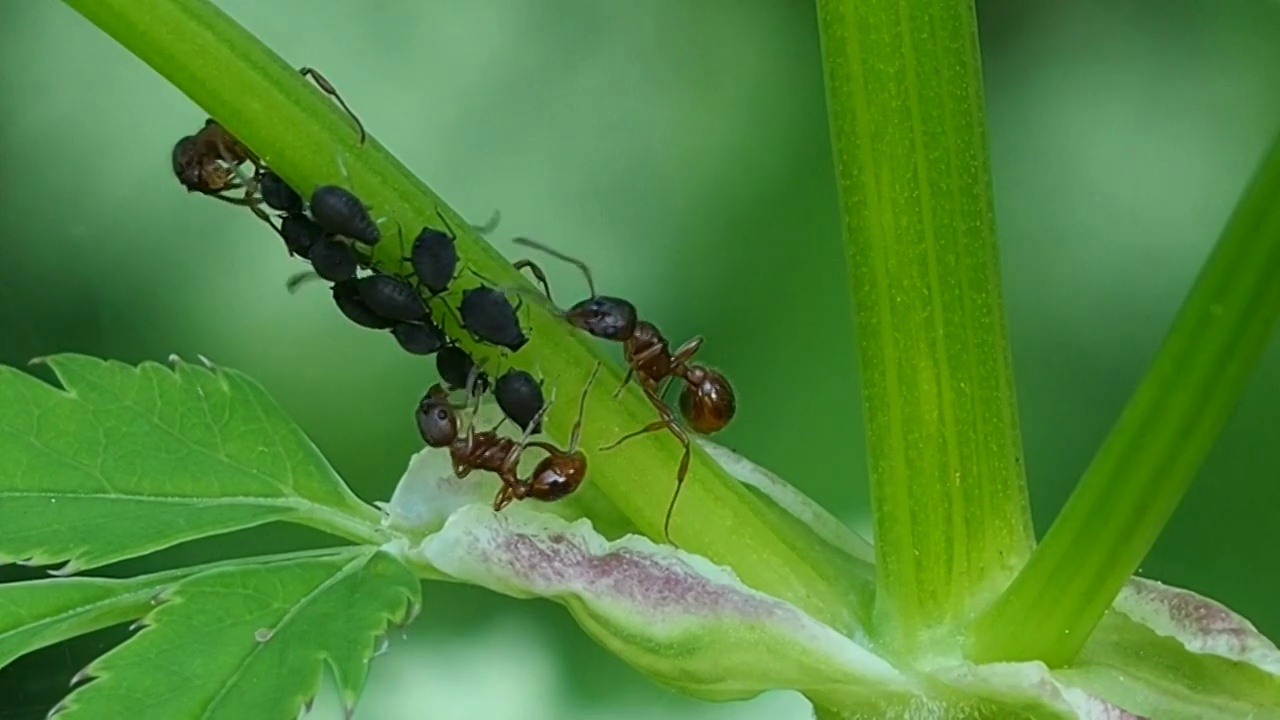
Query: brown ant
x,y
555,476
208,162
707,401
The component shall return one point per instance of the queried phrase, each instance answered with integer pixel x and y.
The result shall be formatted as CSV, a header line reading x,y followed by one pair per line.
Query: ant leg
x,y
626,380
538,275
686,351
503,498
328,89
582,409
666,387
636,360
667,422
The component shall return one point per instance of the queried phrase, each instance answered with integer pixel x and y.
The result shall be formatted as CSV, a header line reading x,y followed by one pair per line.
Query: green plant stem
x,y
904,92
278,114
1146,464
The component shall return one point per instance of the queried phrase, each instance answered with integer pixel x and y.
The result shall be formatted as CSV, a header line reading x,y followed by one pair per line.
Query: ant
x,y
208,161
555,476
707,400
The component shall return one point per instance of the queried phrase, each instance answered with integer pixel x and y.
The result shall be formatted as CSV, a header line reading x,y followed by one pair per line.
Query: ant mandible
x,y
554,477
707,401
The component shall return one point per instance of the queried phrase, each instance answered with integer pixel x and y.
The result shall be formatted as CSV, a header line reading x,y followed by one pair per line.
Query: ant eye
x,y
442,414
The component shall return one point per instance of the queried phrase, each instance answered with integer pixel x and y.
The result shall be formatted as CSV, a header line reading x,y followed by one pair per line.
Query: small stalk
x,y
1144,468
952,521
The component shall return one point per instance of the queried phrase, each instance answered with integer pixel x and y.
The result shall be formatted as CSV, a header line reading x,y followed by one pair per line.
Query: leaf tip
x,y
58,709
71,568
85,673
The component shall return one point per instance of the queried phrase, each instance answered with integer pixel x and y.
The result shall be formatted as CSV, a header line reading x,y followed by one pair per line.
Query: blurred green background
x,y
681,149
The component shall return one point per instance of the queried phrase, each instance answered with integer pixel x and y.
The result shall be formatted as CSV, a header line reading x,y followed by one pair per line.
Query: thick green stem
x,y
1148,461
278,114
904,91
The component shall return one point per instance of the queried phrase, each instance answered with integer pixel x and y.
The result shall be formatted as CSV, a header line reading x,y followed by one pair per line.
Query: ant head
x,y
436,420
185,164
707,400
608,318
556,476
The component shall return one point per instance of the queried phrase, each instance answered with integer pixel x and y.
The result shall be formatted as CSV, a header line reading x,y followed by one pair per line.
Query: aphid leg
x,y
297,279
239,202
489,225
328,89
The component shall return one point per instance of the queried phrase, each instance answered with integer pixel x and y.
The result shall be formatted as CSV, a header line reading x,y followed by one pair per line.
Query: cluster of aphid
x,y
336,234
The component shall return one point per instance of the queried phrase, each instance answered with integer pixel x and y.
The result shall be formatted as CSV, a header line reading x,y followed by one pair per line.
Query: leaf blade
x,y
38,613
127,460
255,628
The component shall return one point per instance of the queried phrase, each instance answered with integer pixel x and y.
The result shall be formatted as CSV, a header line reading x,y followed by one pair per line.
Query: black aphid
x,y
520,397
347,298
491,317
341,213
434,258
300,233
392,298
277,194
454,365
333,259
420,338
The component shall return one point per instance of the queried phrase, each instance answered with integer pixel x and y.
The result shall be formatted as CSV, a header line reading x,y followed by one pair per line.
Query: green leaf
x,y
128,460
40,613
249,641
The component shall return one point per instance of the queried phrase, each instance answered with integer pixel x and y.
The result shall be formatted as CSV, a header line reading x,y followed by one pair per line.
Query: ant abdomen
x,y
556,476
707,401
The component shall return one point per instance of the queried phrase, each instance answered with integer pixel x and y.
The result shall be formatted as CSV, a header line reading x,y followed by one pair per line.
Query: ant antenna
x,y
586,271
582,409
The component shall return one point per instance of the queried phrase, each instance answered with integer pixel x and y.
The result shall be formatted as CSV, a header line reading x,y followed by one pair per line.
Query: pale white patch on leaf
x,y
1167,653
429,492
1198,623
823,523
676,616
1028,687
